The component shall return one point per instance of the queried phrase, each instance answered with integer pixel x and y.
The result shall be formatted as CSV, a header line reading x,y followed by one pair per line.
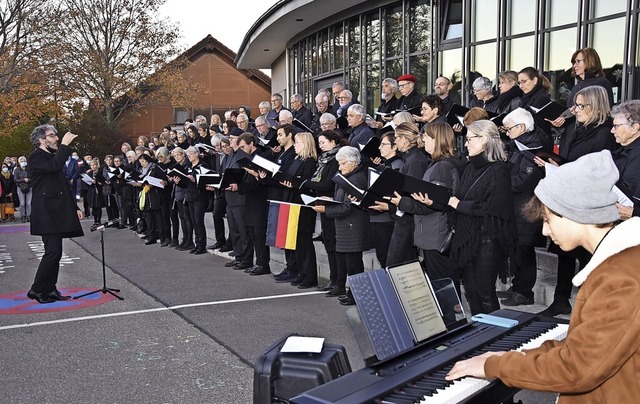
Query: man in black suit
x,y
55,214
300,112
410,99
256,208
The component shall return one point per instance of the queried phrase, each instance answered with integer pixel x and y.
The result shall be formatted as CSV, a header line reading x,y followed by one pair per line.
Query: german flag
x,y
282,224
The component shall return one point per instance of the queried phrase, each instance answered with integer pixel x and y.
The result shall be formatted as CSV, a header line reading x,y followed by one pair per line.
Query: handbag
x,y
24,187
9,209
445,248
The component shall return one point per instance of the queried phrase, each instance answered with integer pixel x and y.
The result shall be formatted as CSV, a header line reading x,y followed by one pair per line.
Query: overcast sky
x,y
227,21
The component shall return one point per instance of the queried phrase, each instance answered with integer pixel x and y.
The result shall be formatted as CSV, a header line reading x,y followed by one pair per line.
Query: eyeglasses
x,y
514,126
470,138
578,61
385,144
581,107
260,125
341,98
523,82
276,100
241,122
617,125
51,135
402,85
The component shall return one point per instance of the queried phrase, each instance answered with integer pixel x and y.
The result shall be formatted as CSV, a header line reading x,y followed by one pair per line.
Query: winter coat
x,y
432,222
579,140
537,98
525,175
53,209
590,80
301,169
599,359
352,224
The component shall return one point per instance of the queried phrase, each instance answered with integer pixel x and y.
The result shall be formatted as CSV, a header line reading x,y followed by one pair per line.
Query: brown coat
x,y
599,361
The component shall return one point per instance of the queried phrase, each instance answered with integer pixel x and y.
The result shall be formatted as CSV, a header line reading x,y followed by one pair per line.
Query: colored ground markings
x,y
19,303
20,228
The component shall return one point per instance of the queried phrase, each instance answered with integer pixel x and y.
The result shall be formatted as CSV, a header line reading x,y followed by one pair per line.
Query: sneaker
x,y
517,299
283,274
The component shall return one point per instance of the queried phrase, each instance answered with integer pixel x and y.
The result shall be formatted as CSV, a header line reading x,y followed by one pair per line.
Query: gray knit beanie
x,y
582,190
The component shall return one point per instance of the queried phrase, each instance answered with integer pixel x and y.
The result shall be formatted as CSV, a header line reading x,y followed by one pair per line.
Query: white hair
x,y
520,116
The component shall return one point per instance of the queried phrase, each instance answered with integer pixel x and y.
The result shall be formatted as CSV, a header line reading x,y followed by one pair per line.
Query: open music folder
x,y
399,308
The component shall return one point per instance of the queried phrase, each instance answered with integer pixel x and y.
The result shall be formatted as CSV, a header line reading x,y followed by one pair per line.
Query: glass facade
x,y
476,37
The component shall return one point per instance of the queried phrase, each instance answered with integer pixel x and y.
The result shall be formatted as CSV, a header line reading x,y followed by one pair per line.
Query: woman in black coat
x,y
401,248
485,226
94,193
303,167
7,194
626,130
352,224
525,175
536,95
149,199
197,200
510,93
322,185
590,133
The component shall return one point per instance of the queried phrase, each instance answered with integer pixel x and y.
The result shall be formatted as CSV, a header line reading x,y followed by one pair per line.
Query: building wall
x,y
225,86
464,39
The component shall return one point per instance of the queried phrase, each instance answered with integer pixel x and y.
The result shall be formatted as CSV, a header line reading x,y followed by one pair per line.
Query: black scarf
x,y
505,98
528,98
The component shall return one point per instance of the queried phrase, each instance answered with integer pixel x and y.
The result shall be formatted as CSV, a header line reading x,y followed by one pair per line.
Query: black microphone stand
x,y
104,289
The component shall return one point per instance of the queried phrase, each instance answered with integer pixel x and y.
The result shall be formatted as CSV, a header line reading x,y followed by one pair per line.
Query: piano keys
x,y
418,375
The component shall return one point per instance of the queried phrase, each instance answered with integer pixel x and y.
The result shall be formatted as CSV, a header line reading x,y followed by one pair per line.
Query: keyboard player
x,y
599,360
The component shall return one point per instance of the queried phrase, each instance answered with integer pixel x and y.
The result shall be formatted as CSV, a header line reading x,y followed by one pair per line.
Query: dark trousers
x,y
258,237
306,257
175,222
479,277
196,212
111,206
219,210
165,212
96,212
242,245
525,270
290,259
349,263
154,223
381,234
47,274
401,247
567,270
185,223
329,242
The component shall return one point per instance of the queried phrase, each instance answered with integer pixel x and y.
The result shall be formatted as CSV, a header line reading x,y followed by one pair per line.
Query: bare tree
x,y
111,52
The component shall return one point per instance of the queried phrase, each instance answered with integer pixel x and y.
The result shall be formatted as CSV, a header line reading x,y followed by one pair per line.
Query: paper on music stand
x,y
303,344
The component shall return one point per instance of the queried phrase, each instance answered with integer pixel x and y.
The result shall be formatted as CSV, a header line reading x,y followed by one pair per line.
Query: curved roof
x,y
267,39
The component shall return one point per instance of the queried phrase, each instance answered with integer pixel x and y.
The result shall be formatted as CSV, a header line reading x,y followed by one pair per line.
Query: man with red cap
x,y
410,100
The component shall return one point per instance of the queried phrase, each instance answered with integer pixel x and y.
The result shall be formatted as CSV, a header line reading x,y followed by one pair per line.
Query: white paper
x,y
156,182
266,164
303,344
522,147
87,179
622,198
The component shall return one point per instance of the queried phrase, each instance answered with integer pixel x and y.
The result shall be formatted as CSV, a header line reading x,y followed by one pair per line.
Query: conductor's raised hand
x,y
68,138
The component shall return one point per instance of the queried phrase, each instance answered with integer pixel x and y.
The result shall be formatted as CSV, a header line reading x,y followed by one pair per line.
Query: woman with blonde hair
x,y
485,231
431,220
303,167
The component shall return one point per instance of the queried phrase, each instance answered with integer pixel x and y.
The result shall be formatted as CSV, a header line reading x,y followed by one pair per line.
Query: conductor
x,y
55,214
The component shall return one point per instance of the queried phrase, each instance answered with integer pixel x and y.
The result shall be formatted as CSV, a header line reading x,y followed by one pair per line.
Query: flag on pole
x,y
282,225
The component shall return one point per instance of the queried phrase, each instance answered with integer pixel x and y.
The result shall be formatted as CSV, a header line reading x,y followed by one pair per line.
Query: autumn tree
x,y
24,89
111,53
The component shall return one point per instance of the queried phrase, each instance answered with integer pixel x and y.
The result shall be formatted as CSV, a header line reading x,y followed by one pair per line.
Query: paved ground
x,y
188,331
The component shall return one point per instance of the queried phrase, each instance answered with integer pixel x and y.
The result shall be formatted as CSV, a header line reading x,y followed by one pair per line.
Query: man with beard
x,y
55,214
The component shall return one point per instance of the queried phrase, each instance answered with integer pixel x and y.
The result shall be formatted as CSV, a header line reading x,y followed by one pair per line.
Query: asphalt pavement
x,y
189,330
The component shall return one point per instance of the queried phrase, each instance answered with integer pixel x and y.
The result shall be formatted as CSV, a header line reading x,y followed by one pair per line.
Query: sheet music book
x,y
177,169
202,180
413,111
230,176
552,110
296,182
456,115
259,163
153,181
87,179
533,152
348,187
398,307
301,125
317,200
273,142
371,148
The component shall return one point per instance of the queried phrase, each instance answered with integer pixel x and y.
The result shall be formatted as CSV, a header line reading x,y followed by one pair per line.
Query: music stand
x,y
104,289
